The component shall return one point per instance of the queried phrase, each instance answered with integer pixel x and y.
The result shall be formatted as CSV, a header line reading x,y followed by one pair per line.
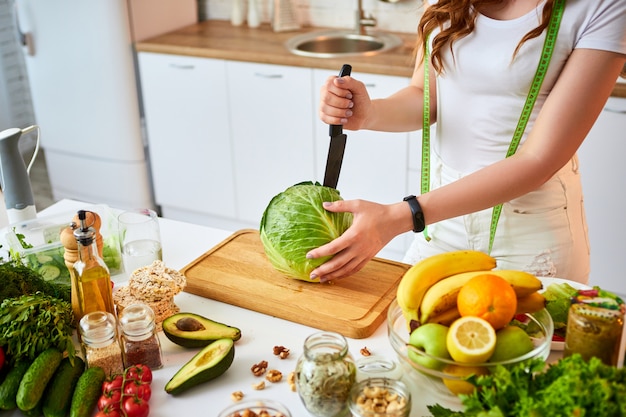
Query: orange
x,y
489,297
457,383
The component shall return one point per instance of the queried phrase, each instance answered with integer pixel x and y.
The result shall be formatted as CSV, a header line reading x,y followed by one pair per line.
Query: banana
x,y
425,273
446,317
531,303
442,295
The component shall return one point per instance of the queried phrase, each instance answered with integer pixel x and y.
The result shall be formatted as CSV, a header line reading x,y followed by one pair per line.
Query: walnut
x,y
281,351
259,386
274,375
236,396
365,351
259,369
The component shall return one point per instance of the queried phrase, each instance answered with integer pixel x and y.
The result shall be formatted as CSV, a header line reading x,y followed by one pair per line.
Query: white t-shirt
x,y
482,92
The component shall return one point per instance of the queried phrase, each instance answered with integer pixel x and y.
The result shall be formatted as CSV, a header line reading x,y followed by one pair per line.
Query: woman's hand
x,y
373,226
344,101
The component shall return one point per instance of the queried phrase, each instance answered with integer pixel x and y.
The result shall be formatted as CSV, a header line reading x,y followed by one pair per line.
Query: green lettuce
x,y
569,387
295,222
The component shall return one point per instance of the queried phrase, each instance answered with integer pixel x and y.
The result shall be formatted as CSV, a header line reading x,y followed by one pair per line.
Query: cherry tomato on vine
x,y
135,407
2,357
113,384
140,389
140,373
110,399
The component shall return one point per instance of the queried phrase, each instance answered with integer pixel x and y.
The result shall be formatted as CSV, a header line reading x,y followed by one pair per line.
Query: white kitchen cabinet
x,y
375,164
271,113
187,122
603,171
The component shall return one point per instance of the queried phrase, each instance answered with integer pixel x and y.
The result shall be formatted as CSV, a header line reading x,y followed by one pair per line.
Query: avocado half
x,y
211,362
193,330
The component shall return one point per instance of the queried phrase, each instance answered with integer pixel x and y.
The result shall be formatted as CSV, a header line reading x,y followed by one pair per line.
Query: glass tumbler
x,y
140,238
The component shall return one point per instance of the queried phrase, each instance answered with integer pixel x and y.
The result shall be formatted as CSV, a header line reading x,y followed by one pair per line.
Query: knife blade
x,y
336,147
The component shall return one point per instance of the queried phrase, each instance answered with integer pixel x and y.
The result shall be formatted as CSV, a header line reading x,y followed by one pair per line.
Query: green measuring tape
x,y
542,68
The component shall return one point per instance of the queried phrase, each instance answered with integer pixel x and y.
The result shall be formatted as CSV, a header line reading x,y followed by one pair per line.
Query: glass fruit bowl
x,y
432,378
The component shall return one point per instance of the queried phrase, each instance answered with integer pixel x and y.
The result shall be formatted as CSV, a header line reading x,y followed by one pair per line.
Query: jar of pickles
x,y
594,329
325,374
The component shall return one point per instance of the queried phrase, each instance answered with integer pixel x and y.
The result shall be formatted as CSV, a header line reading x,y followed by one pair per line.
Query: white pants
x,y
543,232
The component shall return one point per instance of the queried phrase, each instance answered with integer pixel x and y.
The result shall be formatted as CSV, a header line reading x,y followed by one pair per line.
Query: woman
x,y
483,62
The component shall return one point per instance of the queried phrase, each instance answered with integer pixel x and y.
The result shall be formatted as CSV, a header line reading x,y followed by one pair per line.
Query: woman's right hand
x,y
344,101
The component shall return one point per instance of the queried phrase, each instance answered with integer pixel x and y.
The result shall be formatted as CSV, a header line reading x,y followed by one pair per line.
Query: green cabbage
x,y
295,222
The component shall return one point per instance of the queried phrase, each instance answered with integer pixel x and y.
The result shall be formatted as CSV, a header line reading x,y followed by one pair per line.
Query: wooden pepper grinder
x,y
68,240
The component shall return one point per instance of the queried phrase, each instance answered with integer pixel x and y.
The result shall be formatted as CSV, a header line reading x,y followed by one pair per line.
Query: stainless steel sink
x,y
338,43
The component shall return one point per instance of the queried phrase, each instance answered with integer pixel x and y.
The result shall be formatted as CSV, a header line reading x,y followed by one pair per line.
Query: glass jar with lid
x,y
325,374
594,331
100,343
140,341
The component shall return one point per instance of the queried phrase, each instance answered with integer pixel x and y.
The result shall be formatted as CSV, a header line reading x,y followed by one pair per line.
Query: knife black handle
x,y
335,130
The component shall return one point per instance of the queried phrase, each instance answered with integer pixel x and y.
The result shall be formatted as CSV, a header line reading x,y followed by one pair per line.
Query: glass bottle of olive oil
x,y
93,280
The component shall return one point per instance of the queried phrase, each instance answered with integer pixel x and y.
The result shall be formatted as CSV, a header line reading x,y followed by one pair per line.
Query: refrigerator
x,y
81,67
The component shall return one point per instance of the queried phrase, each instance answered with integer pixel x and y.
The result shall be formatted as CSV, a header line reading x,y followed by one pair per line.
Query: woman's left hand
x,y
373,226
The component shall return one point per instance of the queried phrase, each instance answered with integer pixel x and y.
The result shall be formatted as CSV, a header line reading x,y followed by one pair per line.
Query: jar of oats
x,y
100,343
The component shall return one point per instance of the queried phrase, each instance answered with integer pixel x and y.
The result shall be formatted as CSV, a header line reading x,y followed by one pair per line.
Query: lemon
x,y
511,342
456,384
471,340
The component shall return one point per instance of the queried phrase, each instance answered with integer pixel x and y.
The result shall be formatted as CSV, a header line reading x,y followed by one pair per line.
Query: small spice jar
x,y
325,374
380,397
100,343
140,342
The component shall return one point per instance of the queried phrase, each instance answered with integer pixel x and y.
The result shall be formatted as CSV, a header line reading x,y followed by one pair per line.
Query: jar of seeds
x,y
140,342
325,374
100,343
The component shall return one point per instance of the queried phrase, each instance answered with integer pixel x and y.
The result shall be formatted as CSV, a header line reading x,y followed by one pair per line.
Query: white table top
x,y
183,243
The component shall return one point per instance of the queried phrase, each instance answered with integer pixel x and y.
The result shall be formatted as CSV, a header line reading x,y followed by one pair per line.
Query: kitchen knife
x,y
336,147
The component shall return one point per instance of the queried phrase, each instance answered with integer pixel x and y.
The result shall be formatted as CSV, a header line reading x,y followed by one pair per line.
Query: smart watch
x,y
416,211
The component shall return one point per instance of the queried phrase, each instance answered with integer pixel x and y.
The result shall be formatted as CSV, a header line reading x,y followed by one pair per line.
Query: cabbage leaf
x,y
295,222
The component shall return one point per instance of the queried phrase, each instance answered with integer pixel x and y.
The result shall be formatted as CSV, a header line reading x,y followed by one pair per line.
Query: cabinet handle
x,y
613,110
268,76
182,66
370,85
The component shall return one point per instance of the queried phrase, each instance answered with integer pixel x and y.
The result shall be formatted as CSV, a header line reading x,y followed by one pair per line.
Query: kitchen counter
x,y
182,244
219,39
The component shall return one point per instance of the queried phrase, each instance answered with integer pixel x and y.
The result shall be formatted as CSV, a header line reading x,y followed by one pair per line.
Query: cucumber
x,y
36,378
10,385
87,392
212,361
36,411
58,396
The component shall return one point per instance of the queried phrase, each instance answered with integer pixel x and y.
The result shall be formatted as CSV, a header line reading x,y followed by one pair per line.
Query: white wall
x,y
396,17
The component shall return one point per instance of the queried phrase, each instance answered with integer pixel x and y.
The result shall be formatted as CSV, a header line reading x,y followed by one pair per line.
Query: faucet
x,y
363,20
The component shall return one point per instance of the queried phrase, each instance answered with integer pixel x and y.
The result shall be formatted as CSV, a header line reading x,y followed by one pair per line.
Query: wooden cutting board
x,y
238,272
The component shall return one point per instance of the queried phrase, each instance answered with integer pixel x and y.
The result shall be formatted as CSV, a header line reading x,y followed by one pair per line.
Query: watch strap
x,y
419,224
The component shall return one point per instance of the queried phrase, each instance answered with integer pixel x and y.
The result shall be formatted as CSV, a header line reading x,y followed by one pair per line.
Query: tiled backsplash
x,y
401,16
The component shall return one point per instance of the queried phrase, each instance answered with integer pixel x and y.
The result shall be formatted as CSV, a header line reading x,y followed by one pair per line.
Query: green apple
x,y
431,339
511,342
